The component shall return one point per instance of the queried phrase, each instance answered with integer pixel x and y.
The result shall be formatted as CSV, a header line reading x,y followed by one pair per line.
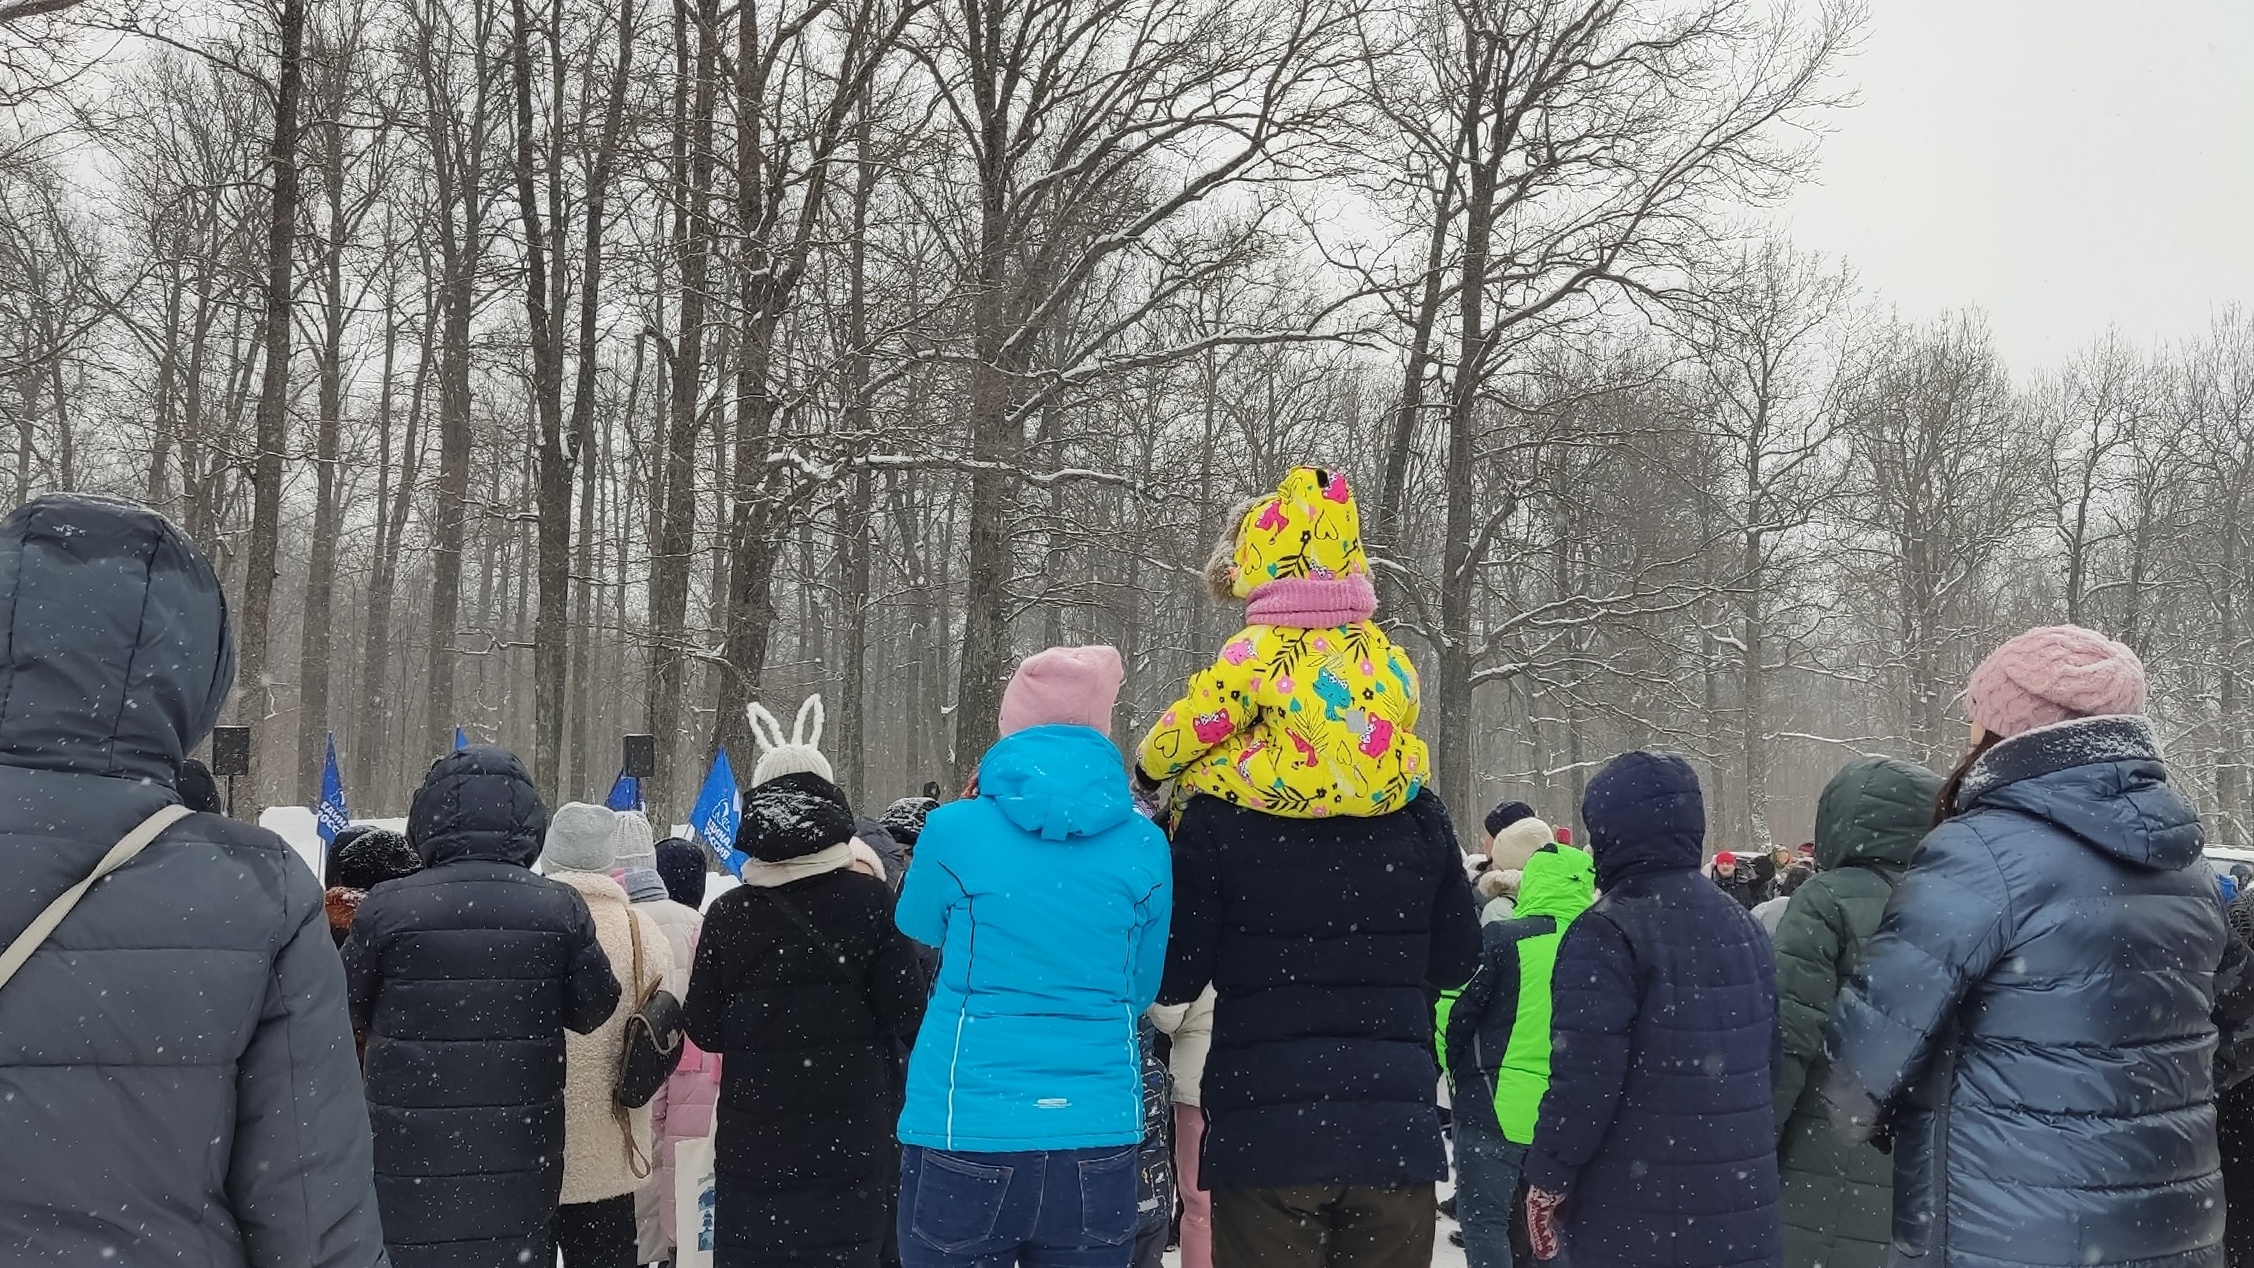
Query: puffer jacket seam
x,y
132,655
962,1009
297,1121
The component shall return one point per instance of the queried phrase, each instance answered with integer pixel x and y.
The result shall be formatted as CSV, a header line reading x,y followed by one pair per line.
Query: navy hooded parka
x,y
177,1083
1658,1127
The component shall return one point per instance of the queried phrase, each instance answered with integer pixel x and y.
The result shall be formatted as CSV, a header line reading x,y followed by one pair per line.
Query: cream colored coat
x,y
1190,1026
596,1164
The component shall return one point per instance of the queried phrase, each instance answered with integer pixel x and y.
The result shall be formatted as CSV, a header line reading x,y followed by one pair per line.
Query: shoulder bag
x,y
653,1036
43,925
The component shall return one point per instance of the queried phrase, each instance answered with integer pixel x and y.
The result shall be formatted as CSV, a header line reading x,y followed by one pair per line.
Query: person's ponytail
x,y
1945,806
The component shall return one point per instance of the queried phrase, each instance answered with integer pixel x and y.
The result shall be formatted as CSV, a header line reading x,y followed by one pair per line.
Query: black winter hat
x,y
368,859
345,836
904,818
1506,814
680,864
792,816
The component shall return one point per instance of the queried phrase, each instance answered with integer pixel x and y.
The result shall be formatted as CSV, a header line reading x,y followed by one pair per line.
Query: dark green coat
x,y
1838,1198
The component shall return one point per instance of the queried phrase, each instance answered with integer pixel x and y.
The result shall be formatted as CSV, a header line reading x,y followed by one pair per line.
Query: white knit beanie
x,y
798,754
634,842
579,839
1517,842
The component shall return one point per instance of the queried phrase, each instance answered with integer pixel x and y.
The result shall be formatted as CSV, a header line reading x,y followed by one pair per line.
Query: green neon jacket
x,y
1498,1032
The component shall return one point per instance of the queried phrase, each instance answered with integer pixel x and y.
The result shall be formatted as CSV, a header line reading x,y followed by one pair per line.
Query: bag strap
x,y
640,1167
123,852
822,944
634,932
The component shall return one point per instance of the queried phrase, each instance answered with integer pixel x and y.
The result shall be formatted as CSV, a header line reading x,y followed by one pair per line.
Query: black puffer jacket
x,y
465,976
2031,1021
1329,941
176,1074
810,1065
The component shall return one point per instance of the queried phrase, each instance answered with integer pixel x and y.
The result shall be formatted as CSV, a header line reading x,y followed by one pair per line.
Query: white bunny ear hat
x,y
798,754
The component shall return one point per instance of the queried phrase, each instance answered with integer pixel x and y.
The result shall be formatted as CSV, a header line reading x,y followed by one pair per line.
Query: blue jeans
x,y
1058,1208
1487,1171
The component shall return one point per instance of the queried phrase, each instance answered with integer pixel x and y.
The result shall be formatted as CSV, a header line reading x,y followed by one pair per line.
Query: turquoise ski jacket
x,y
1049,899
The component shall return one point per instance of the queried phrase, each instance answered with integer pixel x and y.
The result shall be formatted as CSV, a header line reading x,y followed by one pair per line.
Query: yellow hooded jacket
x,y
1303,715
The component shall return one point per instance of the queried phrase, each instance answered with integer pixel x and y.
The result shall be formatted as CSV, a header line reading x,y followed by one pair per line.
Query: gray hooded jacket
x,y
177,1082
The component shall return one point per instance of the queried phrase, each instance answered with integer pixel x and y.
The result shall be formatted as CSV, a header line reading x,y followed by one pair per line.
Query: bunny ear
x,y
766,728
800,732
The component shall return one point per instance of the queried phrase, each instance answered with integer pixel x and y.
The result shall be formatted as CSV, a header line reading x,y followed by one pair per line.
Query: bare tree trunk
x,y
583,389
553,481
669,573
251,702
994,447
1450,706
856,516
2232,784
378,700
157,492
315,647
1388,537
1754,714
458,174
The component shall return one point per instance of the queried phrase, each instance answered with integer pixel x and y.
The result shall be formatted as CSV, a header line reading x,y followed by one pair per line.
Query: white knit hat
x,y
634,841
1517,842
579,839
799,754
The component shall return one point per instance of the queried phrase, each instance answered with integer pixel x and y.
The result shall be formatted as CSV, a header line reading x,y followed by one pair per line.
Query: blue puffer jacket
x,y
1658,1126
2031,1021
1048,898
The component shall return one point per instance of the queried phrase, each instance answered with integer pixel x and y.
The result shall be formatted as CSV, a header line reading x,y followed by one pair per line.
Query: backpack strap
x,y
640,1167
837,959
43,925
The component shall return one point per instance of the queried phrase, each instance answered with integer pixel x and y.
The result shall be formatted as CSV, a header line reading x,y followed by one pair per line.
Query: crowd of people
x,y
1237,989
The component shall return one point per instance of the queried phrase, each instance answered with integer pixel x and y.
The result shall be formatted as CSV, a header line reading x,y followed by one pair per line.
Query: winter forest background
x,y
564,368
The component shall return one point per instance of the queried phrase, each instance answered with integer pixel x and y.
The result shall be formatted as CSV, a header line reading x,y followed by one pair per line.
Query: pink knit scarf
x,y
1309,603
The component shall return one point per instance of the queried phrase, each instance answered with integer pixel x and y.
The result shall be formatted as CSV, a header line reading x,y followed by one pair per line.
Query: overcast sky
x,y
2062,164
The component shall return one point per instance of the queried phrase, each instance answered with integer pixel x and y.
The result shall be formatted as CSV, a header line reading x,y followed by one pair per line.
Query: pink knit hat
x,y
1064,686
2053,673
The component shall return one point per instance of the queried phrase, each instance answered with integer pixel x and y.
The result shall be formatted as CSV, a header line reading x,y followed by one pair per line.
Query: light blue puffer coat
x,y
1049,900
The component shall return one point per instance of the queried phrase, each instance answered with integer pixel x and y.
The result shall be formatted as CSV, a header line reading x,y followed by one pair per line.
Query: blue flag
x,y
719,809
625,793
330,817
461,740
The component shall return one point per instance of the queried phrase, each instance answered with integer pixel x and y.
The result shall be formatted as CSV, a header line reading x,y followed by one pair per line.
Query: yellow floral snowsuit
x,y
1303,723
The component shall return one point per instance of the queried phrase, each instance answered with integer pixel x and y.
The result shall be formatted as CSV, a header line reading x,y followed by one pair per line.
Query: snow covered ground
x,y
1444,1254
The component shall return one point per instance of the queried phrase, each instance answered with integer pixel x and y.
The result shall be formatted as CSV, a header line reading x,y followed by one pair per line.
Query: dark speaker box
x,y
641,756
230,751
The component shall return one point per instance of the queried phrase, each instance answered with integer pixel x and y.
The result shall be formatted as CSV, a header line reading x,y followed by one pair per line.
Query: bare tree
x,y
1771,344
1583,143
1944,481
1095,134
